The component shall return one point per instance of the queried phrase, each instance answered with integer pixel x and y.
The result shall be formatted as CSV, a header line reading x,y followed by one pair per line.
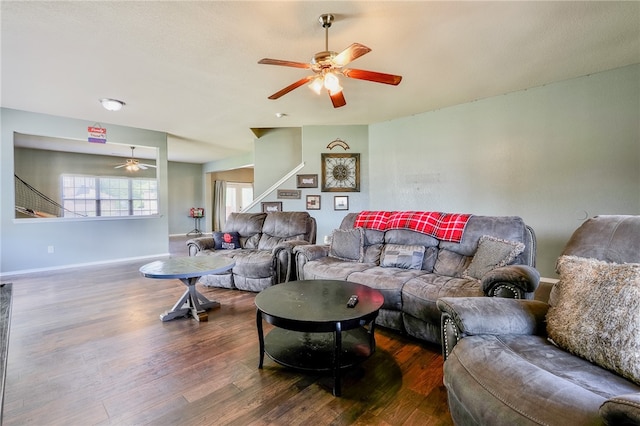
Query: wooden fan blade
x,y
377,77
351,53
267,61
338,99
292,86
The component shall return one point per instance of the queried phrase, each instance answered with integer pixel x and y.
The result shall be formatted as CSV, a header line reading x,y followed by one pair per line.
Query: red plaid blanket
x,y
443,226
372,220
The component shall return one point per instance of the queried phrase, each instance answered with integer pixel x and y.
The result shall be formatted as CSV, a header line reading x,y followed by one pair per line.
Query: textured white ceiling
x,y
190,68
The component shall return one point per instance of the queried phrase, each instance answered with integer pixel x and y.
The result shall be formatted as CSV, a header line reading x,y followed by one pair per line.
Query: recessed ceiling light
x,y
280,114
112,104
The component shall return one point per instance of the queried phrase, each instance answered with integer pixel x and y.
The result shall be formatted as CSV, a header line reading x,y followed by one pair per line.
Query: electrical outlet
x,y
50,249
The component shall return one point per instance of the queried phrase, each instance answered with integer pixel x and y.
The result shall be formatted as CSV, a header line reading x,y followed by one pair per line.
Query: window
x,y
109,196
238,195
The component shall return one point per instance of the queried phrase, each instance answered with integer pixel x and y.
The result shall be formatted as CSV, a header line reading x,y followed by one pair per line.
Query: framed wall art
x,y
307,181
293,194
313,202
341,202
271,206
340,172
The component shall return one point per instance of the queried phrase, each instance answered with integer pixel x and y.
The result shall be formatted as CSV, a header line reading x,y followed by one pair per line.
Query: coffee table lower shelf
x,y
315,351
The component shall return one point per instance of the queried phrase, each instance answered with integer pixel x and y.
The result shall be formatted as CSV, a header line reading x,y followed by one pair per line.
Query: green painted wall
x,y
185,191
553,155
24,243
277,152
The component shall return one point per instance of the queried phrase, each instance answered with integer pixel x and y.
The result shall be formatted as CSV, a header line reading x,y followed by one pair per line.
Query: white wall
x,y
24,242
553,155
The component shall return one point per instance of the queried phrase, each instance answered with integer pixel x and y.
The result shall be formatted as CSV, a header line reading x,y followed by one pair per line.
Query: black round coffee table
x,y
315,330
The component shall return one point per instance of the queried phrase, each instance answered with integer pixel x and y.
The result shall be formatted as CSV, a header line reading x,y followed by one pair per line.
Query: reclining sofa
x,y
572,361
412,258
260,244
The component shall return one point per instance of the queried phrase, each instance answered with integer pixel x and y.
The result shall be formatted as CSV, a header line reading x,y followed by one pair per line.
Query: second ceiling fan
x,y
133,164
327,65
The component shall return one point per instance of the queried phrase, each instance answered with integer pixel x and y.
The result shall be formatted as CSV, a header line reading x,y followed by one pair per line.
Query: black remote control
x,y
353,301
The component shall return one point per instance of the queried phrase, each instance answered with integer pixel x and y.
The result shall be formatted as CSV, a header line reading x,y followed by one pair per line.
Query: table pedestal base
x,y
318,352
191,303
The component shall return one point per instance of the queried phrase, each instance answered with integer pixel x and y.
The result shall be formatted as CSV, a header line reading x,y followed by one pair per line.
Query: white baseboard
x,y
80,265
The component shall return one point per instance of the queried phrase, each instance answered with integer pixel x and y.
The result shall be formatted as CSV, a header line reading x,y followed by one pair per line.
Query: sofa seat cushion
x,y
224,279
256,265
419,295
253,263
330,268
389,281
527,380
219,253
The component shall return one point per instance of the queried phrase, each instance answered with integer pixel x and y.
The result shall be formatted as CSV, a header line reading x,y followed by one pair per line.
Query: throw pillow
x,y
347,244
226,240
402,256
492,253
597,313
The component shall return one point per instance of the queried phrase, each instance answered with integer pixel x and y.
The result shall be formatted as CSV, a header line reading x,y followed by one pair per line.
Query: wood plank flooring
x,y
87,347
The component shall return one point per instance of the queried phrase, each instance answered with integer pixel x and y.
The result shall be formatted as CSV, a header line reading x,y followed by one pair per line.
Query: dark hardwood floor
x,y
87,347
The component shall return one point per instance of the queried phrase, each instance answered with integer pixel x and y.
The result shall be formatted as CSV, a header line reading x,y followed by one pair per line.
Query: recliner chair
x,y
501,367
264,256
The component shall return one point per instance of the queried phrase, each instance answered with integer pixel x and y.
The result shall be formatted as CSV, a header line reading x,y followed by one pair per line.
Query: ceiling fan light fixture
x,y
328,65
112,104
317,84
132,168
332,83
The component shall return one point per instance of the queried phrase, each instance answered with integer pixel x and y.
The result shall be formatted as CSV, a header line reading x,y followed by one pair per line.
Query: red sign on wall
x,y
97,134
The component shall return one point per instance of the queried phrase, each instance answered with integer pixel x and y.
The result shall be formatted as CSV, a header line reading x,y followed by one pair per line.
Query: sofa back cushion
x,y
286,226
612,238
347,244
450,263
402,256
596,313
247,225
373,239
509,228
492,253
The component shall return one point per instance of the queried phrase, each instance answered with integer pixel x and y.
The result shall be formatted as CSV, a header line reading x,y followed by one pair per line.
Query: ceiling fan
x,y
327,65
133,165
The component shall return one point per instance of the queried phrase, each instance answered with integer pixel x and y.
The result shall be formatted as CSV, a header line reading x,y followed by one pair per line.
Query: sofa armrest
x,y
466,316
285,265
512,281
621,410
307,253
199,244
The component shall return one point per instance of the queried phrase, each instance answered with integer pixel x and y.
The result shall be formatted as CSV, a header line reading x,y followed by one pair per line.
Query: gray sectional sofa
x,y
572,361
413,269
261,245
